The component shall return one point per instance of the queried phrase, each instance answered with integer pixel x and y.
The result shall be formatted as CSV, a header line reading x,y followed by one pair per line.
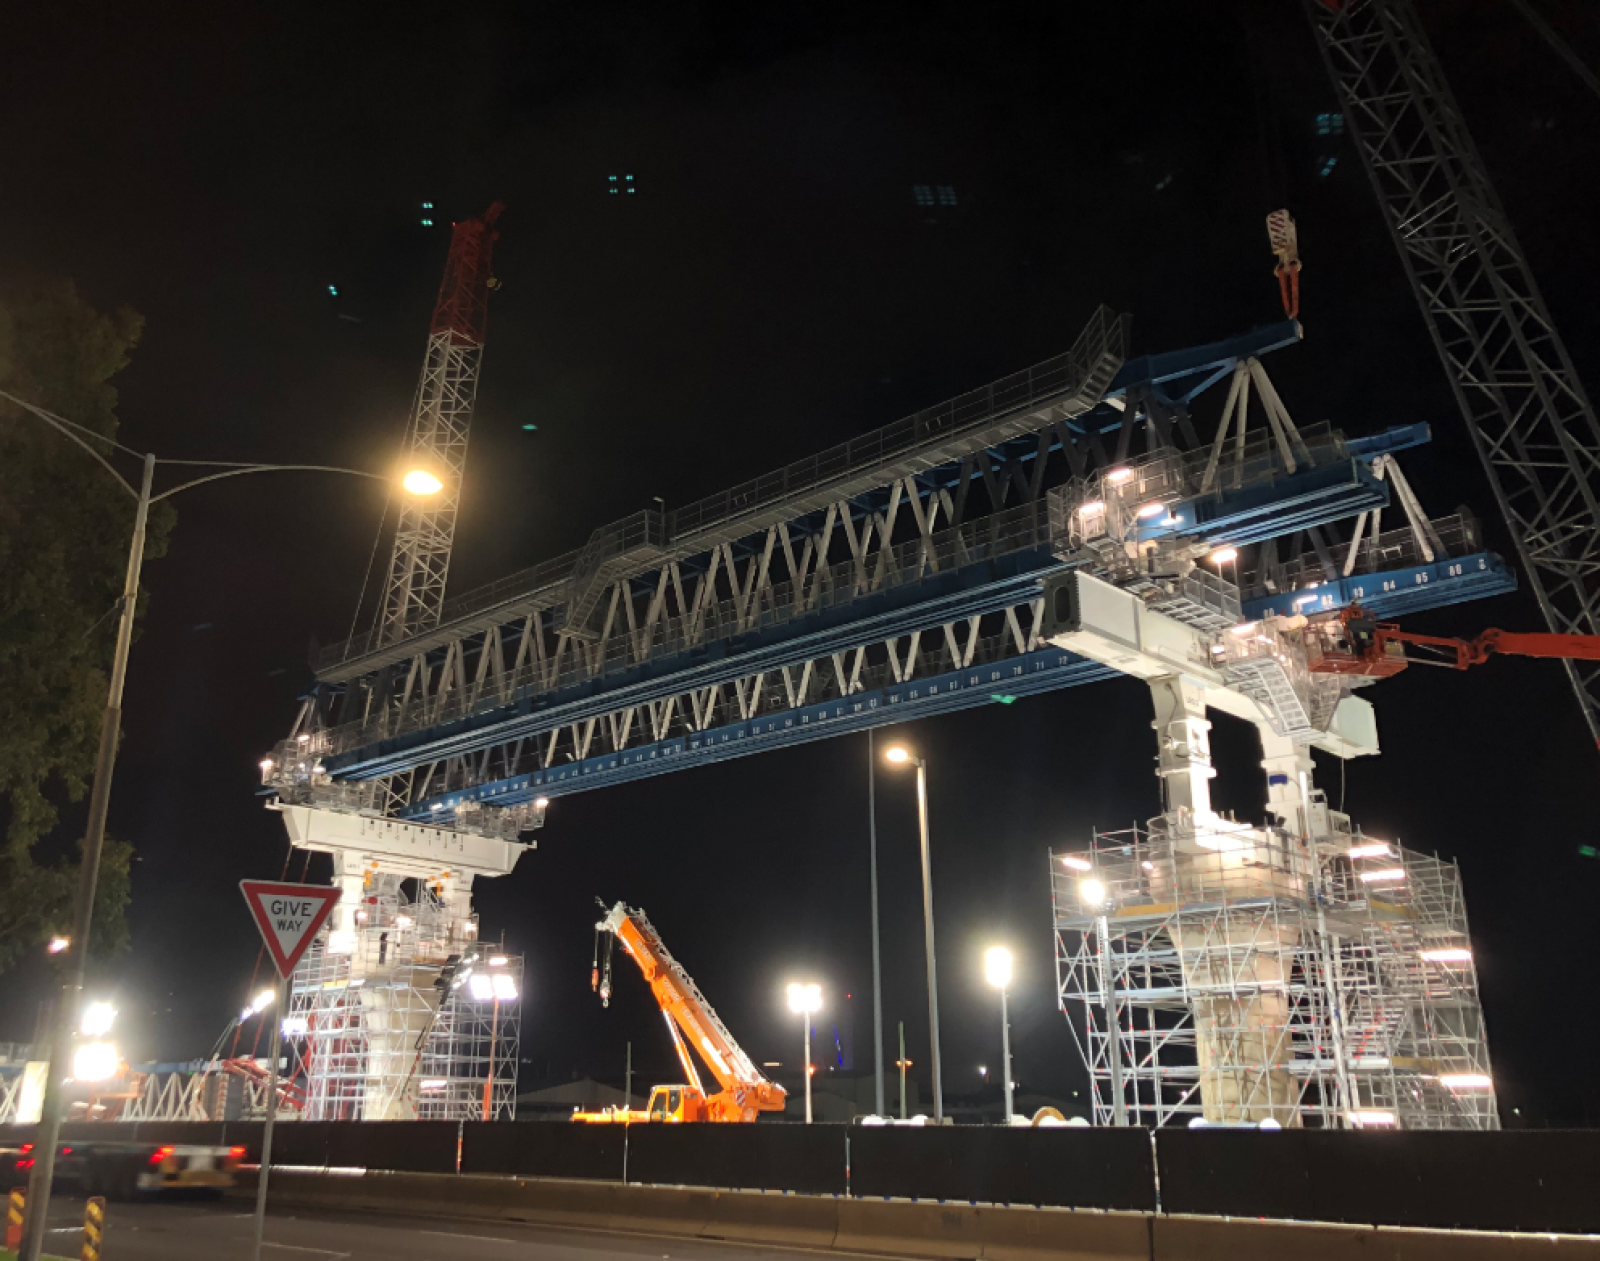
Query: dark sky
x,y
771,289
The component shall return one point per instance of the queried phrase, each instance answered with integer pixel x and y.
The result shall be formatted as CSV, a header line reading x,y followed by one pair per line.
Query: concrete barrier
x,y
894,1227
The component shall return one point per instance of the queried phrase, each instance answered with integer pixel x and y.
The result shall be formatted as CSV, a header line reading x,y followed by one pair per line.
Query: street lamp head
x,y
97,1020
997,966
804,998
262,1001
1224,555
897,754
421,482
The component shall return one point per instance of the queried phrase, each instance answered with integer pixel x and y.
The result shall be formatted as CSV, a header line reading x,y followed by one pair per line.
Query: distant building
x,y
557,1103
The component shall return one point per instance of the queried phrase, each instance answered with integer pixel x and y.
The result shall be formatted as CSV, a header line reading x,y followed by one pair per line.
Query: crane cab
x,y
677,1103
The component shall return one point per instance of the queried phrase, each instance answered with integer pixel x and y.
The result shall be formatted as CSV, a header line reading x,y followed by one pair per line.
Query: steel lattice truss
x,y
436,441
853,589
1534,427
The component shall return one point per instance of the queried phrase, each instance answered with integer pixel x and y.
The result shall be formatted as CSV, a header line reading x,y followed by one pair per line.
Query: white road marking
x,y
462,1234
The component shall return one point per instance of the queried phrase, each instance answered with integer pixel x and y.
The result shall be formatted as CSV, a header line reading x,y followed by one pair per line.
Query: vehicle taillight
x,y
25,1163
26,1148
160,1154
235,1153
66,1151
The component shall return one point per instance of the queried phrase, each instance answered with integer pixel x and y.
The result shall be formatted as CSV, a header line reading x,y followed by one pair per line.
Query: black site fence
x,y
1524,1180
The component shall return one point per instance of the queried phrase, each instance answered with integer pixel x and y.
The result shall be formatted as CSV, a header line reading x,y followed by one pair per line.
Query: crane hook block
x,y
1285,242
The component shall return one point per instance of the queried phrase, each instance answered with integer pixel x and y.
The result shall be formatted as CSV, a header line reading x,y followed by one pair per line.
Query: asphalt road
x,y
220,1231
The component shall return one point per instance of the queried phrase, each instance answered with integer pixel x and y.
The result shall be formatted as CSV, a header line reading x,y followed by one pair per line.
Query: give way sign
x,y
288,916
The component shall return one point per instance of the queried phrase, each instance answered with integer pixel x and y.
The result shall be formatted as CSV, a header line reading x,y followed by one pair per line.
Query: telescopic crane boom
x,y
742,1092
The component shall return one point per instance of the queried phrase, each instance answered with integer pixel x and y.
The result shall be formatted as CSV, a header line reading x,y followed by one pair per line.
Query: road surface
x,y
220,1231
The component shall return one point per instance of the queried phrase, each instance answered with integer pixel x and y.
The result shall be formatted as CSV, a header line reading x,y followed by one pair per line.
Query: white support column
x,y
1183,750
1289,770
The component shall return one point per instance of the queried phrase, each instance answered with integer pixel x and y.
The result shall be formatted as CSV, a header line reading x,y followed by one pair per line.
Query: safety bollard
x,y
94,1229
14,1214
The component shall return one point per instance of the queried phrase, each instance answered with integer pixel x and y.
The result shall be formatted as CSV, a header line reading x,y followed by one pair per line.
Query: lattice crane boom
x,y
436,438
1533,425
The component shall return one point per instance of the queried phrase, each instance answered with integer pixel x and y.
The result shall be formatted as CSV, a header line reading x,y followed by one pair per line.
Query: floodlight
x,y
997,966
897,753
804,998
1076,863
1224,555
1448,954
481,986
1465,1081
505,989
94,1061
1093,892
263,1000
97,1020
1119,475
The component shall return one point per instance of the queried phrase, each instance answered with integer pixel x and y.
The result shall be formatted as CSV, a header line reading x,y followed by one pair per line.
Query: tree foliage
x,y
64,531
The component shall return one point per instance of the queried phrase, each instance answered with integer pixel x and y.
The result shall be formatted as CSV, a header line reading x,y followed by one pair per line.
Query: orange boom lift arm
x,y
742,1092
1361,645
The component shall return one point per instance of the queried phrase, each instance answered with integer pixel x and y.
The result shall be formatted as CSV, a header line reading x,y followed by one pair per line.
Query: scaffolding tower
x,y
406,1015
1254,977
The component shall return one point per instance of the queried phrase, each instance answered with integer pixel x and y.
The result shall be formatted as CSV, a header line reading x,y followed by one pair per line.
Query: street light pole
x,y
877,973
44,1165
900,755
927,930
49,1135
997,970
806,1066
1005,1052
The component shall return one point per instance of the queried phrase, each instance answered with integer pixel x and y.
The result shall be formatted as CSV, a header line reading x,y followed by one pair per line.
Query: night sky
x,y
772,288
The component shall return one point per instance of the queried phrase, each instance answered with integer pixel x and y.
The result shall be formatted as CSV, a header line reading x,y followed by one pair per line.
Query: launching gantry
x,y
1291,974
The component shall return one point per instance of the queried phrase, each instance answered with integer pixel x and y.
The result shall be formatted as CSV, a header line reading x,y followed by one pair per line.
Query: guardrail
x,y
1525,1180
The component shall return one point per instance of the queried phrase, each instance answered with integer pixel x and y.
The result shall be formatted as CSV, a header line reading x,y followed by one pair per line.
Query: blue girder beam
x,y
1387,594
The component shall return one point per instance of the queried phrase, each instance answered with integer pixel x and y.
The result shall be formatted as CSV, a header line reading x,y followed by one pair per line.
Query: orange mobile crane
x,y
1353,642
743,1093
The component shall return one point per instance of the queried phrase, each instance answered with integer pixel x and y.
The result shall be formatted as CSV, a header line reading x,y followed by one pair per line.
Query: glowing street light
x,y
97,1020
421,482
997,971
1224,556
900,755
58,944
805,999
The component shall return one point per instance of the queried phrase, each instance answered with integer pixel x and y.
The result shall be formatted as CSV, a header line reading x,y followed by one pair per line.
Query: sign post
x,y
288,916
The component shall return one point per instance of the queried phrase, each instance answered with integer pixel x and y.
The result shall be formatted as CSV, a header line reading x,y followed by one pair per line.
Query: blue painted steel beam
x,y
1235,516
1393,592
1177,376
1387,594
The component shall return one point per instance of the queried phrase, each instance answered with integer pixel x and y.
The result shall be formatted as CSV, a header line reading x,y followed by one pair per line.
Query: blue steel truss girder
x,y
1015,556
1035,671
1176,377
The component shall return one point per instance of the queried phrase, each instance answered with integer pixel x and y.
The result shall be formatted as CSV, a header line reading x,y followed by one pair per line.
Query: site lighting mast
x,y
997,971
803,1000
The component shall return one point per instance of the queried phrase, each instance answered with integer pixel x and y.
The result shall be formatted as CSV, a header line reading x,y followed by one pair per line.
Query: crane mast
x,y
743,1090
1533,426
436,437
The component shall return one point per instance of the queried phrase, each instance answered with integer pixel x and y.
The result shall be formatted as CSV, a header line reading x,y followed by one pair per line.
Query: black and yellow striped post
x,y
14,1213
94,1229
